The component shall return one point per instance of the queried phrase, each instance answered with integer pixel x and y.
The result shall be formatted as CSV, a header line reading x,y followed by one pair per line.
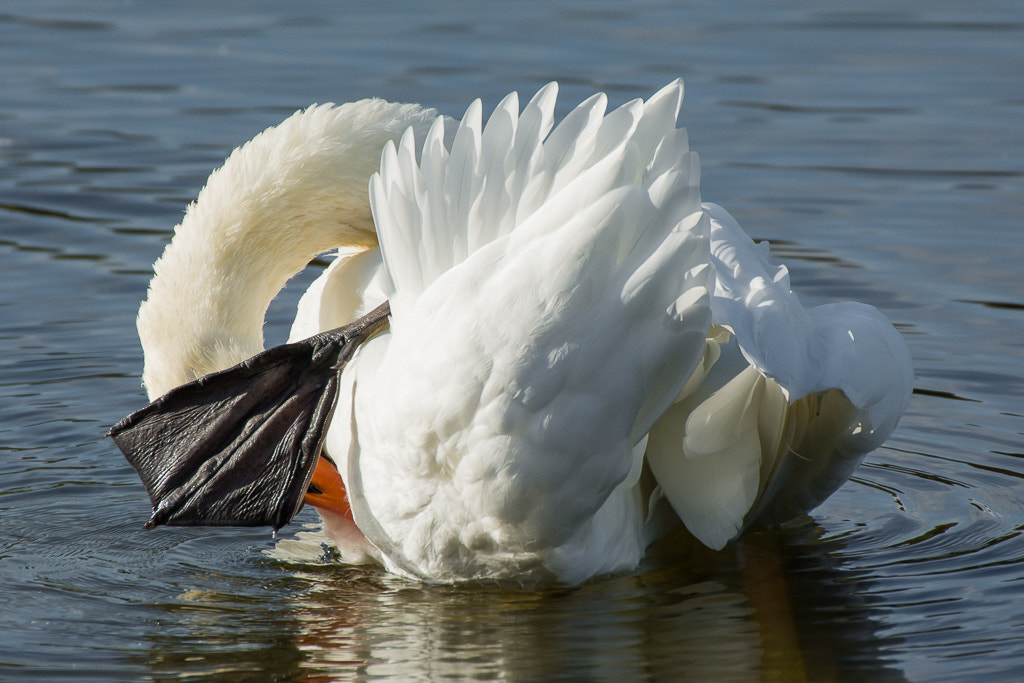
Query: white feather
x,y
774,431
565,316
503,412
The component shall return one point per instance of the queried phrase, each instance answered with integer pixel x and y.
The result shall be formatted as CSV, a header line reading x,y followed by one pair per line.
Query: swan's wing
x,y
793,405
435,210
239,447
551,295
847,346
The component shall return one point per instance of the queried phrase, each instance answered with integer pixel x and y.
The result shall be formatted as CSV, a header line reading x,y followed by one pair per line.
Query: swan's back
x,y
576,341
495,430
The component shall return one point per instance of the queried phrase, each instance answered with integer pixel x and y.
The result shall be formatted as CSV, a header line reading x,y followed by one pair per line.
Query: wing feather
x,y
572,319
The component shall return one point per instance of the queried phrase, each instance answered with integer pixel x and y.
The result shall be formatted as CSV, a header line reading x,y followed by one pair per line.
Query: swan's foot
x,y
240,447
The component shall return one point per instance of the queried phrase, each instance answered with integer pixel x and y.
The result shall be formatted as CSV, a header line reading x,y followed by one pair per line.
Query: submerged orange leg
x,y
327,490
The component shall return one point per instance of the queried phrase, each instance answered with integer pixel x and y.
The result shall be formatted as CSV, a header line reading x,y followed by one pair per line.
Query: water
x,y
879,148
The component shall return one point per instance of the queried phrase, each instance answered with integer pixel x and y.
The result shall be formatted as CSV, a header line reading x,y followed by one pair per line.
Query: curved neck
x,y
294,191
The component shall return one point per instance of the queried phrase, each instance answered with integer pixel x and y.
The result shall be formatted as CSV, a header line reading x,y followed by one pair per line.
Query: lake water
x,y
878,145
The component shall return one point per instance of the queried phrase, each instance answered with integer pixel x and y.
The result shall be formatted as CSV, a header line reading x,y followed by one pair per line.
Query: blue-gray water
x,y
879,145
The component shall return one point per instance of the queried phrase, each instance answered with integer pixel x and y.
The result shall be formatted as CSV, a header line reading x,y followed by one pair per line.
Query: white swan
x,y
580,354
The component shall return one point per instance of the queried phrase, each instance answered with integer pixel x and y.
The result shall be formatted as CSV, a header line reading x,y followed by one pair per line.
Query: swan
x,y
535,352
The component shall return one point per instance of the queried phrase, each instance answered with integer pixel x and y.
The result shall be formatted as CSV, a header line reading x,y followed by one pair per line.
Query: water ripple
x,y
882,169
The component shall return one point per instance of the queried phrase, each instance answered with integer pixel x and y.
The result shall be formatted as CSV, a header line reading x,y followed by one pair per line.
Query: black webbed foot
x,y
239,447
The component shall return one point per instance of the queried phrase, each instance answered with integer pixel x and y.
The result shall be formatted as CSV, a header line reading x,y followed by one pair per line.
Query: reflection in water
x,y
774,608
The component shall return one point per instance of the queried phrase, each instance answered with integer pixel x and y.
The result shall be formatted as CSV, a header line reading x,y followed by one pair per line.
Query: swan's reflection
x,y
757,613
777,606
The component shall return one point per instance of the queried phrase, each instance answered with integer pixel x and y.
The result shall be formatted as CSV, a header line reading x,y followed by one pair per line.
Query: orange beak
x,y
327,490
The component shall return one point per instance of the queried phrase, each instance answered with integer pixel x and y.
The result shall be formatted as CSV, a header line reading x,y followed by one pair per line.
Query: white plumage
x,y
574,337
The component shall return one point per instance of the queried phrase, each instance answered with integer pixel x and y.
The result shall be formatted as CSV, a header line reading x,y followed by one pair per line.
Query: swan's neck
x,y
291,193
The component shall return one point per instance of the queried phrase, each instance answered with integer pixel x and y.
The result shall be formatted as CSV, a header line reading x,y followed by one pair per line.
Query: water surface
x,y
879,149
